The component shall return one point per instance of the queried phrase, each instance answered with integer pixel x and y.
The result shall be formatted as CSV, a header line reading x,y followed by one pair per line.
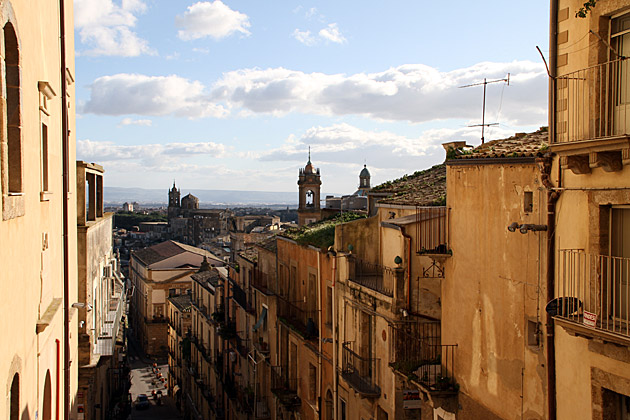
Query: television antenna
x,y
485,83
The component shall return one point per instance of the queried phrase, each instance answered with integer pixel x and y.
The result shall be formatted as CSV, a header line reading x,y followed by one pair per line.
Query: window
x,y
329,306
342,409
532,333
620,41
45,186
312,382
12,85
620,259
14,413
528,201
46,94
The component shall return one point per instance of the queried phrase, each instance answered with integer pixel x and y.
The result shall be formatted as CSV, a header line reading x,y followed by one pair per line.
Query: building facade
x,y
38,350
102,297
156,273
590,201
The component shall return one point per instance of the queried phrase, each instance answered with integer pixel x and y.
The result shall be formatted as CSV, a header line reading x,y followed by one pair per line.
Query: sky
x,y
231,95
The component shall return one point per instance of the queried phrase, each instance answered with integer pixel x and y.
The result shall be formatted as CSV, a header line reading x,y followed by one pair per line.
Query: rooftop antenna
x,y
309,154
485,83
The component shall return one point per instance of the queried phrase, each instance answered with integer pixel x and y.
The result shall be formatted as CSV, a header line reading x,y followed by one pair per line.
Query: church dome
x,y
364,172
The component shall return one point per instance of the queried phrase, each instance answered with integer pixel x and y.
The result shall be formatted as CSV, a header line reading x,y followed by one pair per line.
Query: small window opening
x,y
532,334
528,201
45,186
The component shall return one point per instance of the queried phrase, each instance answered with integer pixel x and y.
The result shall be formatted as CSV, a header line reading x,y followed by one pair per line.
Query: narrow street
x,y
144,380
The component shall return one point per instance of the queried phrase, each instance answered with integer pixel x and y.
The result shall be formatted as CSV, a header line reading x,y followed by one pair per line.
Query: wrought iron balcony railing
x,y
373,276
432,231
301,319
284,387
594,291
360,371
593,103
418,354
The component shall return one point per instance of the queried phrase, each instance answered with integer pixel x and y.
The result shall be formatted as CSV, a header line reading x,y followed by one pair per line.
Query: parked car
x,y
142,403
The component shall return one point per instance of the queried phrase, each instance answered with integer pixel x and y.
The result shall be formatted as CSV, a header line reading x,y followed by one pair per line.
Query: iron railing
x,y
373,276
413,344
594,290
306,322
281,380
418,353
432,230
594,102
262,281
360,371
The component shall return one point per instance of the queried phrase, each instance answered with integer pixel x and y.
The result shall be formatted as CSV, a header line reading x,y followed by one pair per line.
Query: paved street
x,y
143,381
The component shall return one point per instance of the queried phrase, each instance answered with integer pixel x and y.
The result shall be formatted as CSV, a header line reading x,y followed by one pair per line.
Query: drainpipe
x,y
321,324
552,197
408,238
65,210
334,331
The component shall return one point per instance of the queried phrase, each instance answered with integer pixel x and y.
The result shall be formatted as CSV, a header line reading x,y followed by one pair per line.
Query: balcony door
x,y
620,263
620,40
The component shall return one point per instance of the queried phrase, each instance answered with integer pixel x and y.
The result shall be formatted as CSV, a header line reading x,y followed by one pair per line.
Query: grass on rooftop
x,y
322,233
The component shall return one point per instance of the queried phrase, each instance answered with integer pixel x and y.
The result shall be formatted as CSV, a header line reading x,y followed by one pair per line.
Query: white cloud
x,y
106,27
413,92
305,37
131,121
213,19
332,33
152,156
124,94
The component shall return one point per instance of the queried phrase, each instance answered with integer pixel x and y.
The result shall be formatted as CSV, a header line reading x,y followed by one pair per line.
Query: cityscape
x,y
386,256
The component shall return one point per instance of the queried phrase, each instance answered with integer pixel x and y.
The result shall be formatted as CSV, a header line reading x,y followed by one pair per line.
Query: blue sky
x,y
229,95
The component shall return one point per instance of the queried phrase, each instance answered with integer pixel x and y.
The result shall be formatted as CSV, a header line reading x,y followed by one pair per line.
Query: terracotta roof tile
x,y
519,145
422,188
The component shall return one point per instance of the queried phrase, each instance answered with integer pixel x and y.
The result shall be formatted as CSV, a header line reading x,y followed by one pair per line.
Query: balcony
x,y
303,321
593,295
262,282
376,277
285,387
360,372
592,112
431,231
418,354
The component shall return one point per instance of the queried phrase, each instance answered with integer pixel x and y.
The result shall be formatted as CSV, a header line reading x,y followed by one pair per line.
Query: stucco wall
x,y
495,285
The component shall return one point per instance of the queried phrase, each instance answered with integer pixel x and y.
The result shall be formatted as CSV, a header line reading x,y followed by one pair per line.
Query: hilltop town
x,y
490,284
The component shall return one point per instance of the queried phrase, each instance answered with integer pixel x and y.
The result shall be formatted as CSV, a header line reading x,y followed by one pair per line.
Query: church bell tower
x,y
173,202
309,184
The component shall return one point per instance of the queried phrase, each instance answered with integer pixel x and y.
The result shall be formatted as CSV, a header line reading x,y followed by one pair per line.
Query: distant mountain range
x,y
120,195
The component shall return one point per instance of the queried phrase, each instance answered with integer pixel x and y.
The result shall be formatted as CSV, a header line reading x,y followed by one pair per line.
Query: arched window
x,y
47,407
12,89
329,405
310,196
15,398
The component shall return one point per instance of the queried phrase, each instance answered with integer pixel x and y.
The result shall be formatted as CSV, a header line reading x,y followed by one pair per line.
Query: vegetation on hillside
x,y
322,233
127,219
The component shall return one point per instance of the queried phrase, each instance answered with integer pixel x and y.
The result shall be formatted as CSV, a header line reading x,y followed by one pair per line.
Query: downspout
x,y
552,197
321,324
65,210
334,331
404,234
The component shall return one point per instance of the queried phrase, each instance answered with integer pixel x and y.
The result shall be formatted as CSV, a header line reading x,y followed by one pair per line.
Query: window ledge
x,y
45,195
13,206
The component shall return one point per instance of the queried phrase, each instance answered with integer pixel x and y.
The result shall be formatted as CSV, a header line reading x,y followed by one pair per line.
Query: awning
x,y
261,319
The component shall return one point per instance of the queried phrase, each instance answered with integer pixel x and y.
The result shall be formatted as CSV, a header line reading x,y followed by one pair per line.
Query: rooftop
x,y
205,278
269,244
422,188
520,145
320,234
249,253
168,249
181,302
